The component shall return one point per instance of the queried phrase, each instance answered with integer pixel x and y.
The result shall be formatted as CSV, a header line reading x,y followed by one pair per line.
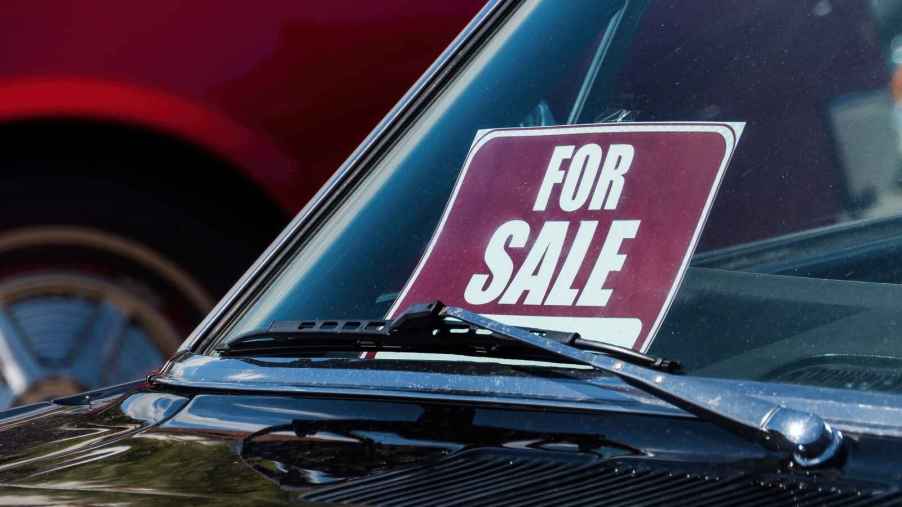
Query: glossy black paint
x,y
211,430
162,442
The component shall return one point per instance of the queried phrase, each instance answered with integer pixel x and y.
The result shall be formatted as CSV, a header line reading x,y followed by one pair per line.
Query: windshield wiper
x,y
418,329
802,436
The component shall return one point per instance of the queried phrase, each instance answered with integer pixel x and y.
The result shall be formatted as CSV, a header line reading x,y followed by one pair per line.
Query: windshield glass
x,y
795,275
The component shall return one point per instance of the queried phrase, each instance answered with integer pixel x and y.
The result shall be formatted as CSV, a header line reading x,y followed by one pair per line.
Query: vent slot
x,y
490,477
865,373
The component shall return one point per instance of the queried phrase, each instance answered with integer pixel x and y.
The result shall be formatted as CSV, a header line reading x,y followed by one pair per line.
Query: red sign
x,y
585,229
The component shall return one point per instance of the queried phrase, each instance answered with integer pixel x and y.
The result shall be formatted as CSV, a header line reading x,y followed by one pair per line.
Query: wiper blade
x,y
803,436
418,329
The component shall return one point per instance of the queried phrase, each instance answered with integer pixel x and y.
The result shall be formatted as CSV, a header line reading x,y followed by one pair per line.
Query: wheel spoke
x,y
17,363
99,345
6,397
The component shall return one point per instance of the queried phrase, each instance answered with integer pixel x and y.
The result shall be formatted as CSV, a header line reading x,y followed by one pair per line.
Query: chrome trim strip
x,y
431,396
420,87
836,406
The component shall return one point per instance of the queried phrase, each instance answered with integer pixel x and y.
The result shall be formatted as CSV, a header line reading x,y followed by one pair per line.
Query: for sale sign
x,y
585,228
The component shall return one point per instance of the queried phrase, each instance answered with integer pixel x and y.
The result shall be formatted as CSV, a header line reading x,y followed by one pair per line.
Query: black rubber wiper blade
x,y
803,437
295,338
286,335
417,329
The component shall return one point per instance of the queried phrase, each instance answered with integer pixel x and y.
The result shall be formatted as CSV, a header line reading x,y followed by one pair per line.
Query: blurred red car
x,y
146,141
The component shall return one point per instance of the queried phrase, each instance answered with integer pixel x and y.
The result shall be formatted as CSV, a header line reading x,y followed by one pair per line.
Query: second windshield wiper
x,y
803,437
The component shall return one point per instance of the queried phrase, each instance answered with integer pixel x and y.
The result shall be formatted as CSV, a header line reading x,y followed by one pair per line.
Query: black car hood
x,y
141,445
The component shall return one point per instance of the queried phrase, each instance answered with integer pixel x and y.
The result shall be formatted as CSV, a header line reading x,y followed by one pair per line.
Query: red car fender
x,y
77,97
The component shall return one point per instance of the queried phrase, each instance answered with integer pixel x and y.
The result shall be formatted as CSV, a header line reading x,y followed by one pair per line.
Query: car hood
x,y
112,448
137,444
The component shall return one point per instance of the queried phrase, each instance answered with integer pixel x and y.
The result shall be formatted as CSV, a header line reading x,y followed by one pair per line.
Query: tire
x,y
100,280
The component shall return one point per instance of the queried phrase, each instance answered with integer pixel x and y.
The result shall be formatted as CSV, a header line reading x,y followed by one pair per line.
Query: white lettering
x,y
563,293
553,176
594,293
580,177
610,184
534,276
516,232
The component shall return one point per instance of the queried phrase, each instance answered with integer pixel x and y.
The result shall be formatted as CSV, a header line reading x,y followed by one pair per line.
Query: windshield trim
x,y
352,169
850,411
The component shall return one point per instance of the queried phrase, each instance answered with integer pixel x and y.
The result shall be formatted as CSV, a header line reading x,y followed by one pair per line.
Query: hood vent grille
x,y
519,479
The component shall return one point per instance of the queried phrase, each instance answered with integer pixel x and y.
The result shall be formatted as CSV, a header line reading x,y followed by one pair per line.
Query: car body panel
x,y
255,84
194,453
224,447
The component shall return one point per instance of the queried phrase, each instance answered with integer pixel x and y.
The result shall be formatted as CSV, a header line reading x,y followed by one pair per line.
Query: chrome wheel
x,y
70,326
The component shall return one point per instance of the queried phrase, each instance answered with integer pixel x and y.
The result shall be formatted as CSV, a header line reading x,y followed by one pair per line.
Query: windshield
x,y
795,275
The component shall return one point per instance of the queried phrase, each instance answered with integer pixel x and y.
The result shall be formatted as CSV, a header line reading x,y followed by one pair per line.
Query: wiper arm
x,y
803,436
418,329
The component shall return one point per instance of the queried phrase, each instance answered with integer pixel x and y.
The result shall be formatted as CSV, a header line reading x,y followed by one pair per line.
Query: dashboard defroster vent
x,y
865,373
